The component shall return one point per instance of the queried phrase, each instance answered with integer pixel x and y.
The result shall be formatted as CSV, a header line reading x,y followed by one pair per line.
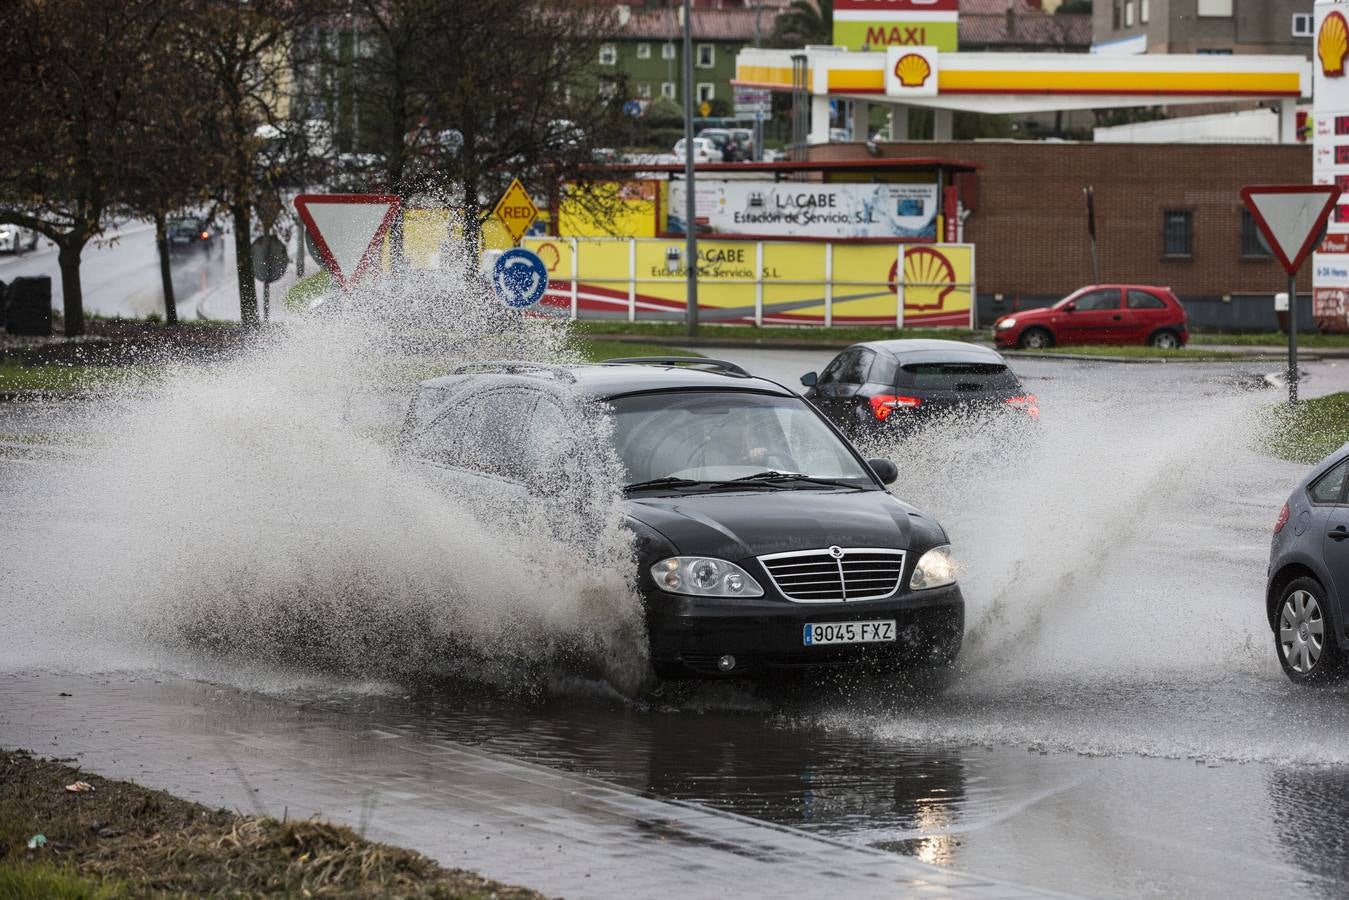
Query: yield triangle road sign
x,y
1291,217
347,229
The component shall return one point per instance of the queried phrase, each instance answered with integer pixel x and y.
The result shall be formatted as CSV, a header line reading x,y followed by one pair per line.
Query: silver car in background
x,y
14,239
1308,577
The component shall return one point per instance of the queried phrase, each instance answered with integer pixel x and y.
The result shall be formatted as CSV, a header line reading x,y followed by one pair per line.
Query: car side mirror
x,y
809,379
885,470
1070,307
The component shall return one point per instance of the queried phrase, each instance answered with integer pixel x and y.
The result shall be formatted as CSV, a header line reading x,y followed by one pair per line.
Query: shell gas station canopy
x,y
1018,83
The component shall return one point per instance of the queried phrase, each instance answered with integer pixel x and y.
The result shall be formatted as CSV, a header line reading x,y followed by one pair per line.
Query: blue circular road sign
x,y
520,278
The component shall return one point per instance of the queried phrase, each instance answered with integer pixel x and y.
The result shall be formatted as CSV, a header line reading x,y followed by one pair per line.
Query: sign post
x,y
347,230
1291,217
270,262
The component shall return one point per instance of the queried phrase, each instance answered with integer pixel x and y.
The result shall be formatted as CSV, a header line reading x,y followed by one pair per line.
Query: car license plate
x,y
816,635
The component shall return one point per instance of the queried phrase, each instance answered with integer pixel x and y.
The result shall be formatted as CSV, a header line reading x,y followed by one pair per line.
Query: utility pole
x,y
690,207
758,115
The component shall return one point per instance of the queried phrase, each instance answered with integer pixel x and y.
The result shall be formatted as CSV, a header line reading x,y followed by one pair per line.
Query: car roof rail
x,y
719,365
516,367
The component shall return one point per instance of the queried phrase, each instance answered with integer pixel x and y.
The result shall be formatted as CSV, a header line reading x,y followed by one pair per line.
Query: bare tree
x,y
78,73
249,51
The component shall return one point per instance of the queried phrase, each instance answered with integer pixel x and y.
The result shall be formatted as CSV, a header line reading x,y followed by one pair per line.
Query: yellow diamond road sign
x,y
516,210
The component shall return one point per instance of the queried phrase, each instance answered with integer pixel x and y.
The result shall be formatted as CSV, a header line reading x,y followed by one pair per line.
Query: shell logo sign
x,y
929,279
1332,45
763,282
912,70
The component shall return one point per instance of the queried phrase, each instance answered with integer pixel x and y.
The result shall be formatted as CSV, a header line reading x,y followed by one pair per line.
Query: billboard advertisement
x,y
1330,143
762,282
881,24
892,211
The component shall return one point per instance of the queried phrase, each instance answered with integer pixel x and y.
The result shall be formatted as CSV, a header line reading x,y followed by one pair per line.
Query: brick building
x,y
1166,214
1204,26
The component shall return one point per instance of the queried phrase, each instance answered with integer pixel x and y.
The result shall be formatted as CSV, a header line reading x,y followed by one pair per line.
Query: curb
x,y
42,396
1260,355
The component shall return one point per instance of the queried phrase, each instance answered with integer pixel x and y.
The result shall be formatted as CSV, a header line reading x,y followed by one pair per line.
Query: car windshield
x,y
723,435
959,377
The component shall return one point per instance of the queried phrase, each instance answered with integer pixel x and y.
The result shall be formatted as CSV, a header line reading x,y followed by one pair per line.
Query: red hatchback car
x,y
1100,314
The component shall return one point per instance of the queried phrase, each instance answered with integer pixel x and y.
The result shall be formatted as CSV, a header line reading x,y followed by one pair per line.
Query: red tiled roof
x,y
708,25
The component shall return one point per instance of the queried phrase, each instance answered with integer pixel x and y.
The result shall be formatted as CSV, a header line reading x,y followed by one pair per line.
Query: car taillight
x,y
1027,404
884,404
205,235
1282,520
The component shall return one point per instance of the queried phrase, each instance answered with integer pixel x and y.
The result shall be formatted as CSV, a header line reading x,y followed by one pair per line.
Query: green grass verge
x,y
847,334
73,379
598,350
1132,351
307,290
43,882
1271,339
1309,430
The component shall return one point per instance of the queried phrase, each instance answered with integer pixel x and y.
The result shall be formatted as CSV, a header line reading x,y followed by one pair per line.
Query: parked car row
x,y
15,239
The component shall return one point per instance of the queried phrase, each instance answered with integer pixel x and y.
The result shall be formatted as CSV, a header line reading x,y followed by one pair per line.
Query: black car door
x,y
841,397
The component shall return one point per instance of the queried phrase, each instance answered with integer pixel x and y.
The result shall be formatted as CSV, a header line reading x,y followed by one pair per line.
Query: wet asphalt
x,y
1118,726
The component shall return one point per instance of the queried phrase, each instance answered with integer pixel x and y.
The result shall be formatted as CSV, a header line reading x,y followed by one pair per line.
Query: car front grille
x,y
835,574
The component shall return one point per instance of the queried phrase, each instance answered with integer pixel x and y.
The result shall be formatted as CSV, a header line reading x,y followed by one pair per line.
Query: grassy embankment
x,y
1310,430
121,840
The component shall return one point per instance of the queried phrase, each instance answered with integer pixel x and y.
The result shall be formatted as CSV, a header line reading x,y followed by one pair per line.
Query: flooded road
x,y
1118,726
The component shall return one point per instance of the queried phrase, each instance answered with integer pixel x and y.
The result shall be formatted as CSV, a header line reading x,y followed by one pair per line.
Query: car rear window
x,y
959,377
1145,300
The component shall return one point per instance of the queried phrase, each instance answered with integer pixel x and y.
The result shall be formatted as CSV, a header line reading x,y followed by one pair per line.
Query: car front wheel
x,y
1304,638
1165,340
1035,339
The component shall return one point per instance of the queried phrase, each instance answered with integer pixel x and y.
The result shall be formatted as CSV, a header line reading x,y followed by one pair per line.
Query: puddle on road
x,y
1113,561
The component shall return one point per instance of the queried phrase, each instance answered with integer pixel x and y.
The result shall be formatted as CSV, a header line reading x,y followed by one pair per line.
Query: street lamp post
x,y
690,209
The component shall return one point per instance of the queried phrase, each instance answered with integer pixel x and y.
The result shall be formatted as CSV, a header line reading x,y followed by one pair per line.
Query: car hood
x,y
738,524
1038,314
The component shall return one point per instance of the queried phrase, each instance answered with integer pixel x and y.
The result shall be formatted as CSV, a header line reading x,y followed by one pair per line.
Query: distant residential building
x,y
1202,26
647,45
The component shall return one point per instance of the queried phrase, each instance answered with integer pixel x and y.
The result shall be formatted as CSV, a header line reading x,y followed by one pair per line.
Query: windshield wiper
x,y
668,482
799,477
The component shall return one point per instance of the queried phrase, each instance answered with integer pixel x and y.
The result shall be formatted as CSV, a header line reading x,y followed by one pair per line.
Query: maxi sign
x,y
880,24
889,211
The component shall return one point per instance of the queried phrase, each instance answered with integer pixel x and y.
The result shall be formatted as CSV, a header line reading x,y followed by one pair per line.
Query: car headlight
x,y
935,568
704,576
1005,324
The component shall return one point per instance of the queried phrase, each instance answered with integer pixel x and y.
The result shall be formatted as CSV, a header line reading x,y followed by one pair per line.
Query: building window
x,y
1177,232
1128,13
608,88
706,92
1304,25
707,56
643,51
1116,14
667,90
1252,241
608,54
667,50
1216,8
644,90
1143,11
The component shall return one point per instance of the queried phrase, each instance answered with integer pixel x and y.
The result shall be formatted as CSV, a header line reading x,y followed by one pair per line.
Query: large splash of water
x,y
255,512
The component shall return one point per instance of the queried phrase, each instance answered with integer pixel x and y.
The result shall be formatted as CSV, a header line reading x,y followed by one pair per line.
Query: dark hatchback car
x,y
1308,577
764,541
887,386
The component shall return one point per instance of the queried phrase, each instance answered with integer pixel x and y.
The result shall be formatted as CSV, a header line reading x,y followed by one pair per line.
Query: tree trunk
x,y
72,296
165,273
248,291
472,224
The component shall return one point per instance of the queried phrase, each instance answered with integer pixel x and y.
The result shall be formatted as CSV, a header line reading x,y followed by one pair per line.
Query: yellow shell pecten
x,y
1332,45
912,70
928,278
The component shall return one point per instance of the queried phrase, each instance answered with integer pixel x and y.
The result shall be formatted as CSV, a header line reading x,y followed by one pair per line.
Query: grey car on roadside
x,y
1307,593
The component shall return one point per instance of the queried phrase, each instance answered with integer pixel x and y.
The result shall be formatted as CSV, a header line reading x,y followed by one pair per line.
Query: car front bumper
x,y
689,635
